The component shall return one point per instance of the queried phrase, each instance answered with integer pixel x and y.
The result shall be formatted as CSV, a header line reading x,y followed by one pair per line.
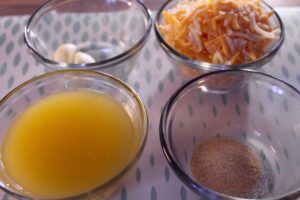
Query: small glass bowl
x,y
261,111
191,68
112,32
20,98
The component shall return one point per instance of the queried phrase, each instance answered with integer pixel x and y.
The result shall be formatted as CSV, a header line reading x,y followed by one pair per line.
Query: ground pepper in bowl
x,y
226,166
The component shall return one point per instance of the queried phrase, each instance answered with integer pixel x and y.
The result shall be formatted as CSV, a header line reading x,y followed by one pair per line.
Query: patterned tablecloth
x,y
155,80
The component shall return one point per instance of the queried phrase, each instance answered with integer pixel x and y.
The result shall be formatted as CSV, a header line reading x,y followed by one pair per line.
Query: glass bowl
x,y
258,110
191,68
112,32
28,93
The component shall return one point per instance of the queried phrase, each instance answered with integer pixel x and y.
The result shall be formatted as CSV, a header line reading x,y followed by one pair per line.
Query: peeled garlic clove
x,y
81,58
65,53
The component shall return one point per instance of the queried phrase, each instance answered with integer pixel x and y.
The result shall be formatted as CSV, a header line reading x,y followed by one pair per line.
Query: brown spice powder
x,y
226,166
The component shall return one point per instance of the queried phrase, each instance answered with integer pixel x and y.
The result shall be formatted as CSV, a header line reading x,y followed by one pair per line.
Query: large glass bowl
x,y
254,108
112,32
28,93
191,68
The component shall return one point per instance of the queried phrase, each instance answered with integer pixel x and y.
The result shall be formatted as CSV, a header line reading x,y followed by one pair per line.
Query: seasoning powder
x,y
226,166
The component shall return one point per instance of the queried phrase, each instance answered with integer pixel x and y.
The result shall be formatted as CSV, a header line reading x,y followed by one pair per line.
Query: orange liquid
x,y
68,143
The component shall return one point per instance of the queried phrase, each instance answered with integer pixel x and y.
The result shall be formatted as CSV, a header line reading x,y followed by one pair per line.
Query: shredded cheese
x,y
219,31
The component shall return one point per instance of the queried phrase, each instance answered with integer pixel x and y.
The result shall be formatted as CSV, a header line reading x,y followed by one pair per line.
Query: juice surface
x,y
68,143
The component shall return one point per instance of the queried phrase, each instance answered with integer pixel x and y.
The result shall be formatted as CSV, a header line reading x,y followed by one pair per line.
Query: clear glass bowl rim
x,y
180,173
108,63
206,66
127,167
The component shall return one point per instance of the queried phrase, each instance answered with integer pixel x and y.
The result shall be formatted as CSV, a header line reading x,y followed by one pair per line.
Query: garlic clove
x,y
65,53
81,58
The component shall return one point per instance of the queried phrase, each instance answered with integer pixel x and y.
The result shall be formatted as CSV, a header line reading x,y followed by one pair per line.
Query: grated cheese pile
x,y
219,31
